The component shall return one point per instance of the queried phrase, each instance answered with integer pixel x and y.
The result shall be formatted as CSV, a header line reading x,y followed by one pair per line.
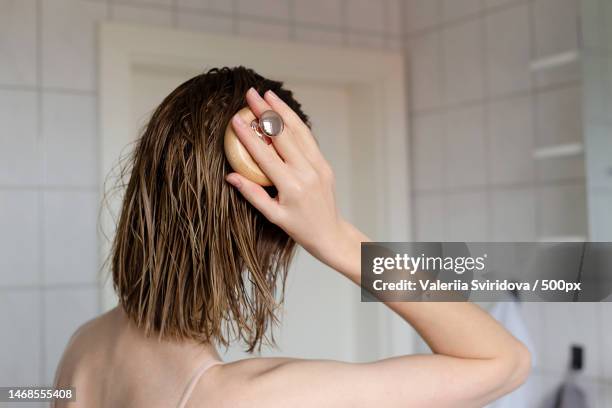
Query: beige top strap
x,y
194,381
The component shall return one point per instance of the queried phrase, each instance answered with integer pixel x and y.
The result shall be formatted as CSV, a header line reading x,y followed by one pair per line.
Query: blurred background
x,y
509,113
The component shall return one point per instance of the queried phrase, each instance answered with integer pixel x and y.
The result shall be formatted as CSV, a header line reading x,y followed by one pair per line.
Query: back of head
x,y
191,258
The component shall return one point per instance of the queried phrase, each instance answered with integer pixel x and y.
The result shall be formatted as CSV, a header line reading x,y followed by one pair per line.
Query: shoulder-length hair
x,y
191,258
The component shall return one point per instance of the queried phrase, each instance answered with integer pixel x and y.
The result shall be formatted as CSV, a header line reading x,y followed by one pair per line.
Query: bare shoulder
x,y
278,382
84,345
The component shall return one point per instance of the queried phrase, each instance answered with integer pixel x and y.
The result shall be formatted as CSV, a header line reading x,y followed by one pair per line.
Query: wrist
x,y
345,253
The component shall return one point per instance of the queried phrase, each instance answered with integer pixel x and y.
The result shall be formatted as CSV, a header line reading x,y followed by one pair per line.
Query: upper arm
x,y
420,380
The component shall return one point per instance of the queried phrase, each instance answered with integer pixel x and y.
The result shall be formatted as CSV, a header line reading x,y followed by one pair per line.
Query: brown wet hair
x,y
191,258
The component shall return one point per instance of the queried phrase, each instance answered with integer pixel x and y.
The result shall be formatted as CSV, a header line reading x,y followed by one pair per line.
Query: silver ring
x,y
269,124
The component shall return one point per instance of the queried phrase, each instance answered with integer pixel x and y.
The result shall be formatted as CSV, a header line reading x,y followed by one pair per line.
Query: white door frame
x,y
375,80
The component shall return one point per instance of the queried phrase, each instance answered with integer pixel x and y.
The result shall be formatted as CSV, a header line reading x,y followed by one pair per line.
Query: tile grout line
x,y
576,182
533,95
441,50
464,19
486,124
499,98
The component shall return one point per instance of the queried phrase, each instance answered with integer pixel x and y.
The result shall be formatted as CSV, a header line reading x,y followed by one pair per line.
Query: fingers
x,y
285,143
264,155
256,195
294,122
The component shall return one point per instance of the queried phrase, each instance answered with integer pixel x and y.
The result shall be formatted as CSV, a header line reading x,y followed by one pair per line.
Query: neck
x,y
187,351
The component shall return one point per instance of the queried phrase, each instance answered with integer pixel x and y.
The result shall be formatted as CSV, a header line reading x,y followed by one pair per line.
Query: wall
x,y
479,112
48,158
597,66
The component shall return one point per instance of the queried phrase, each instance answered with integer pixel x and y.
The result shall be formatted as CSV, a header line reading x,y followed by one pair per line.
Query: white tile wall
x,y
453,9
463,62
556,31
151,2
393,17
319,36
70,237
429,155
511,140
607,13
21,336
319,12
430,223
465,147
467,217
487,92
263,29
556,26
191,21
598,151
271,9
126,13
513,215
19,237
559,116
365,40
18,42
361,16
499,3
69,138
69,43
223,6
19,155
599,207
561,210
559,120
421,14
508,50
425,70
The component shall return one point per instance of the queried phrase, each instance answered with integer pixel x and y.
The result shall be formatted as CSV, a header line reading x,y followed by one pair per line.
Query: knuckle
x,y
310,177
296,188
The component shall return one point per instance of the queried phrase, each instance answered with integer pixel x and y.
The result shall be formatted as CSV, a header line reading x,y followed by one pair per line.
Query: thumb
x,y
256,195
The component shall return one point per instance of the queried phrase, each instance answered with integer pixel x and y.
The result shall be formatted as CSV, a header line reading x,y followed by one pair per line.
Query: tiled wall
x,y
597,65
48,143
478,112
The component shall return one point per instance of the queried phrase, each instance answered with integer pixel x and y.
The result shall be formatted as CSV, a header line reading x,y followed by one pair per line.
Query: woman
x,y
196,262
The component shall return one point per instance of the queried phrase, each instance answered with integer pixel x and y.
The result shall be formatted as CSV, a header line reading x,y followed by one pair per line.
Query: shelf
x,y
563,238
554,61
560,150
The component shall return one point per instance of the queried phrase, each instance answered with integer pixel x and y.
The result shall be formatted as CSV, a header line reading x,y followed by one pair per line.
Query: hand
x,y
305,206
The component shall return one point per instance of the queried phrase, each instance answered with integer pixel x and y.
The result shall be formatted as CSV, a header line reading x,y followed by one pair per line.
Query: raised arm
x,y
475,359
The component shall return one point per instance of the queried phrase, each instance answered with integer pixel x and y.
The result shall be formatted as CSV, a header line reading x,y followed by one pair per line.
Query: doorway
x,y
322,316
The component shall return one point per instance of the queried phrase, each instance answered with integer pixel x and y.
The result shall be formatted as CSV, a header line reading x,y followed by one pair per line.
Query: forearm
x,y
457,329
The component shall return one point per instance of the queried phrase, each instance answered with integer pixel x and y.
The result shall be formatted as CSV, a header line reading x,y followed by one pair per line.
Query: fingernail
x,y
254,92
237,119
233,180
273,95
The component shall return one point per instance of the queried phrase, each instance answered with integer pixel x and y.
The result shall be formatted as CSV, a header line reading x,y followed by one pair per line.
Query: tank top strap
x,y
195,379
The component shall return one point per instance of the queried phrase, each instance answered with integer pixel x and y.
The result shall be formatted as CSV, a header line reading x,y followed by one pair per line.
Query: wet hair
x,y
191,258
